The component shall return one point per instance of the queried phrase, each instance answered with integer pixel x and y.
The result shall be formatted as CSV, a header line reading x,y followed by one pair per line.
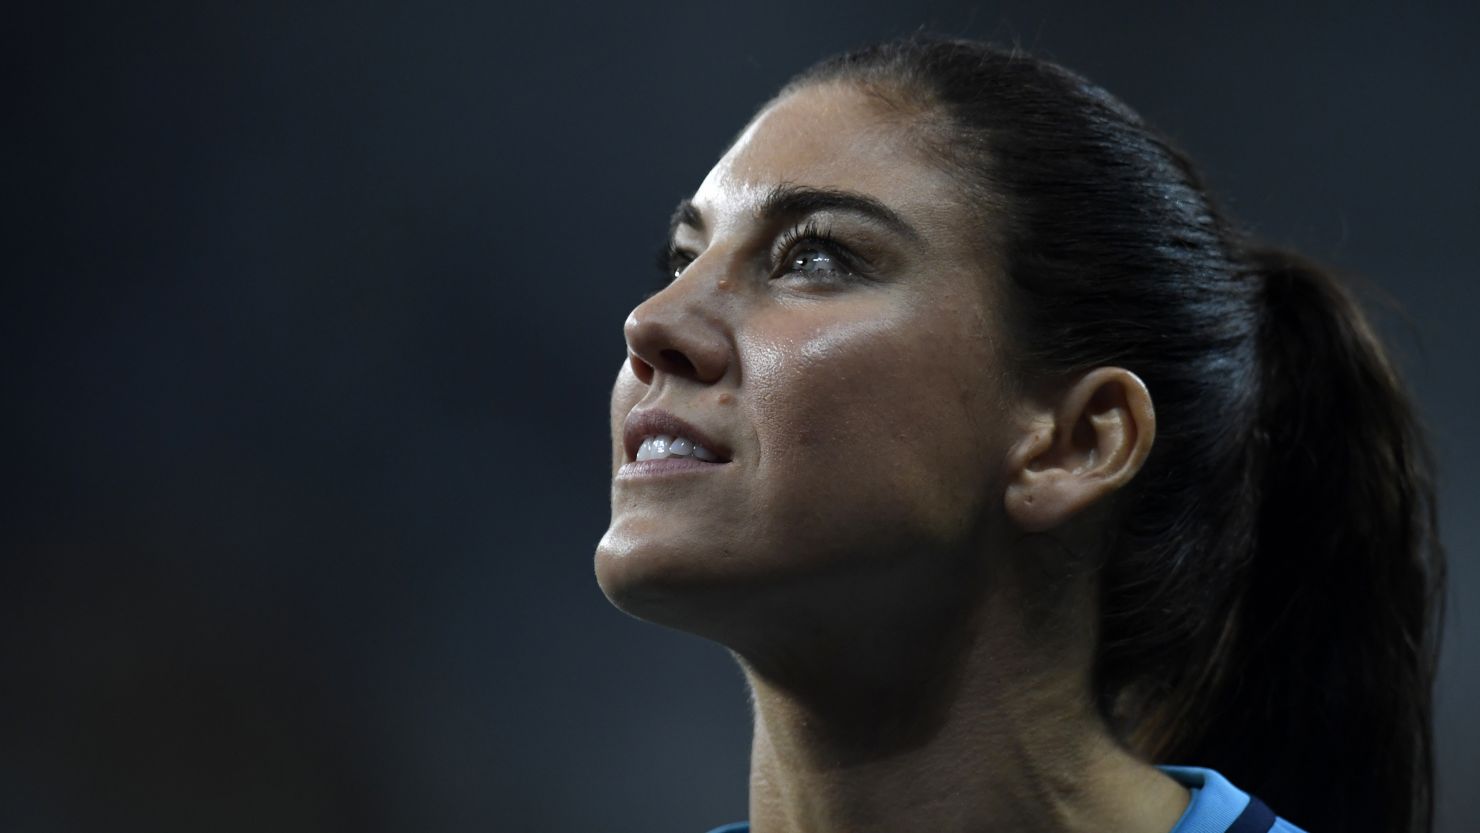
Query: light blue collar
x,y
1215,802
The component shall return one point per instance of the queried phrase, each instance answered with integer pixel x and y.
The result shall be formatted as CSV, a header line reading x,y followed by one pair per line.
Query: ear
x,y
1080,447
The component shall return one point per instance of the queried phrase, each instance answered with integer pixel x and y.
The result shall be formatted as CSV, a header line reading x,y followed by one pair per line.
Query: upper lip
x,y
652,422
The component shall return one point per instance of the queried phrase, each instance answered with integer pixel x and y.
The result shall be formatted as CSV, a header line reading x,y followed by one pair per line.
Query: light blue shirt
x,y
1214,807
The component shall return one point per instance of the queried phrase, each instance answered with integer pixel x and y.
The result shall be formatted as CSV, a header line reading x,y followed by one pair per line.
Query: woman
x,y
1028,492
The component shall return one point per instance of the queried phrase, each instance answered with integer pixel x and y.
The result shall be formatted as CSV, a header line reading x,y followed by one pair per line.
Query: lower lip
x,y
666,466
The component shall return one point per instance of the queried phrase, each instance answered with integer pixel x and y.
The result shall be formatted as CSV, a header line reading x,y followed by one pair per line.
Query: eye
x,y
810,253
671,262
811,260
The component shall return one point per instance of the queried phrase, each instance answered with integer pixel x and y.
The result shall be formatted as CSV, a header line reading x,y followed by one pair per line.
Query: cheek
x,y
882,421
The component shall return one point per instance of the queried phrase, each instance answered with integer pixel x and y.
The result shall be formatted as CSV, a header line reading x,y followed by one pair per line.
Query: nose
x,y
678,332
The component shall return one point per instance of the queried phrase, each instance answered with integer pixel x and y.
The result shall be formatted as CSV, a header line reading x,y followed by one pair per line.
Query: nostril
x,y
679,363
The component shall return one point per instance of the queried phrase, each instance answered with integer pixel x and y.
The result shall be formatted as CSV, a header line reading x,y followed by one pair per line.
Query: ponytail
x,y
1323,709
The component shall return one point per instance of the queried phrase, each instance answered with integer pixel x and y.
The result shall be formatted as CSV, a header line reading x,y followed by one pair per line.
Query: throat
x,y
998,741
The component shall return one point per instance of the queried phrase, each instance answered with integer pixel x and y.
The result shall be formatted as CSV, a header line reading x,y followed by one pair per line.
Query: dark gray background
x,y
308,320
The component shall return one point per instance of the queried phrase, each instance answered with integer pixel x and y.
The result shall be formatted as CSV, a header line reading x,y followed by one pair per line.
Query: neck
x,y
1002,736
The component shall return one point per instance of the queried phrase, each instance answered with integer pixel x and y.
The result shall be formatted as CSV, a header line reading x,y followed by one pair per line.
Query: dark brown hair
x,y
1271,591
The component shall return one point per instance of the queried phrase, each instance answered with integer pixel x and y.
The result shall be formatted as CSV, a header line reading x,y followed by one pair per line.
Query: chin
x,y
668,582
688,581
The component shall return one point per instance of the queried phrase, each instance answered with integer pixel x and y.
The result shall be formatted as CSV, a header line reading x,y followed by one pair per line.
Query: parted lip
x,y
652,421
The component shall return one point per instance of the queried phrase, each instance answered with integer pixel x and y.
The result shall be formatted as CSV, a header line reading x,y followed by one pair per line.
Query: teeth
x,y
663,446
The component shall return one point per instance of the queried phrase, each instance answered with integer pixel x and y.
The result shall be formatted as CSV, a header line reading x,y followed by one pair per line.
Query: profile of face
x,y
831,340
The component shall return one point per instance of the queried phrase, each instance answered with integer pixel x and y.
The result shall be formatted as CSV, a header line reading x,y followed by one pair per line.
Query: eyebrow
x,y
687,214
792,202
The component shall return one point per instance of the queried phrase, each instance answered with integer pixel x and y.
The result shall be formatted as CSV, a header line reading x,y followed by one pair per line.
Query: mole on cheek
x,y
725,398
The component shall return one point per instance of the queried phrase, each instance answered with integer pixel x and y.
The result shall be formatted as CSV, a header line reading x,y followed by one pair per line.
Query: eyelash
x,y
672,260
811,234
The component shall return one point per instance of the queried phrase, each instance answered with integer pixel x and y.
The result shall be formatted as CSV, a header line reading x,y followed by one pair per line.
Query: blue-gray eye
x,y
815,262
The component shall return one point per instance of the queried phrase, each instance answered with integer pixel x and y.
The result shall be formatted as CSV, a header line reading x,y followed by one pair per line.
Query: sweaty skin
x,y
917,662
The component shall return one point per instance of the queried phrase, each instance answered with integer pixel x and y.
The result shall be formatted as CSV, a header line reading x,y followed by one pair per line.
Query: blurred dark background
x,y
309,316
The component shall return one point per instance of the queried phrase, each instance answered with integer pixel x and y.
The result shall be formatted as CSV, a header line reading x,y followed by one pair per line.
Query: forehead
x,y
830,136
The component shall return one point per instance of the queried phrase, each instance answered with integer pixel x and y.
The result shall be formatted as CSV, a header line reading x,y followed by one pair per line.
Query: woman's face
x,y
831,338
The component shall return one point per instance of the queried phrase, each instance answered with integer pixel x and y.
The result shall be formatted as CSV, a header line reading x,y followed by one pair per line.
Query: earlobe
x,y
1087,444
